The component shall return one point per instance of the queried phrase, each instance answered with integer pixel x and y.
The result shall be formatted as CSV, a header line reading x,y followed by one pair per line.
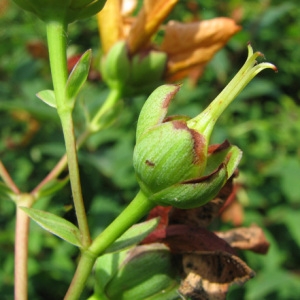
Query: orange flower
x,y
189,46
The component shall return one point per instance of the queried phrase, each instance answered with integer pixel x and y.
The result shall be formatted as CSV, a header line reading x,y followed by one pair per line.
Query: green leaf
x,y
56,225
78,76
48,97
133,235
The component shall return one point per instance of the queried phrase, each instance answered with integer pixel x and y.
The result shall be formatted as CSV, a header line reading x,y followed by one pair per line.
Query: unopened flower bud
x,y
172,158
135,74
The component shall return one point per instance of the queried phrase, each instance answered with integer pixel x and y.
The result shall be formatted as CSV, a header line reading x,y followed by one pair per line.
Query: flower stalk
x,y
136,209
56,31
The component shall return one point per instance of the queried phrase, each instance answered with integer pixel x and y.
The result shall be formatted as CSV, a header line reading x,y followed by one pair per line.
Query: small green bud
x,y
132,75
115,66
67,10
173,162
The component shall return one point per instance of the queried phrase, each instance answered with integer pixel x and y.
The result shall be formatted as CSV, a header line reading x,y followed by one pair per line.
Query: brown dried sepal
x,y
246,238
183,239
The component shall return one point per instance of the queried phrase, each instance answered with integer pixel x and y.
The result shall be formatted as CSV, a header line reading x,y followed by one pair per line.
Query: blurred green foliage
x,y
263,122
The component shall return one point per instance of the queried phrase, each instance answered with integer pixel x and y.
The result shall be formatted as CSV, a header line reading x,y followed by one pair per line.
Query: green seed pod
x,y
171,159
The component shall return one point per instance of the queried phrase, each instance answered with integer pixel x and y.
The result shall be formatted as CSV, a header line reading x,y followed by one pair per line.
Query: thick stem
x,y
138,208
21,247
81,275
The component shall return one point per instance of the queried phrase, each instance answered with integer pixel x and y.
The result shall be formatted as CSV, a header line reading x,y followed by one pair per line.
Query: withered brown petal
x,y
185,37
246,238
192,287
185,239
160,231
195,43
217,271
198,217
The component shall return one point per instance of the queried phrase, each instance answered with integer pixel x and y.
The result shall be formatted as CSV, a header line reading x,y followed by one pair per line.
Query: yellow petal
x,y
148,21
110,24
188,45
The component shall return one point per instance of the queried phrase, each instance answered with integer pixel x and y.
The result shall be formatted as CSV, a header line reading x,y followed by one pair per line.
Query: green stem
x,y
83,270
21,247
68,131
137,208
56,35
